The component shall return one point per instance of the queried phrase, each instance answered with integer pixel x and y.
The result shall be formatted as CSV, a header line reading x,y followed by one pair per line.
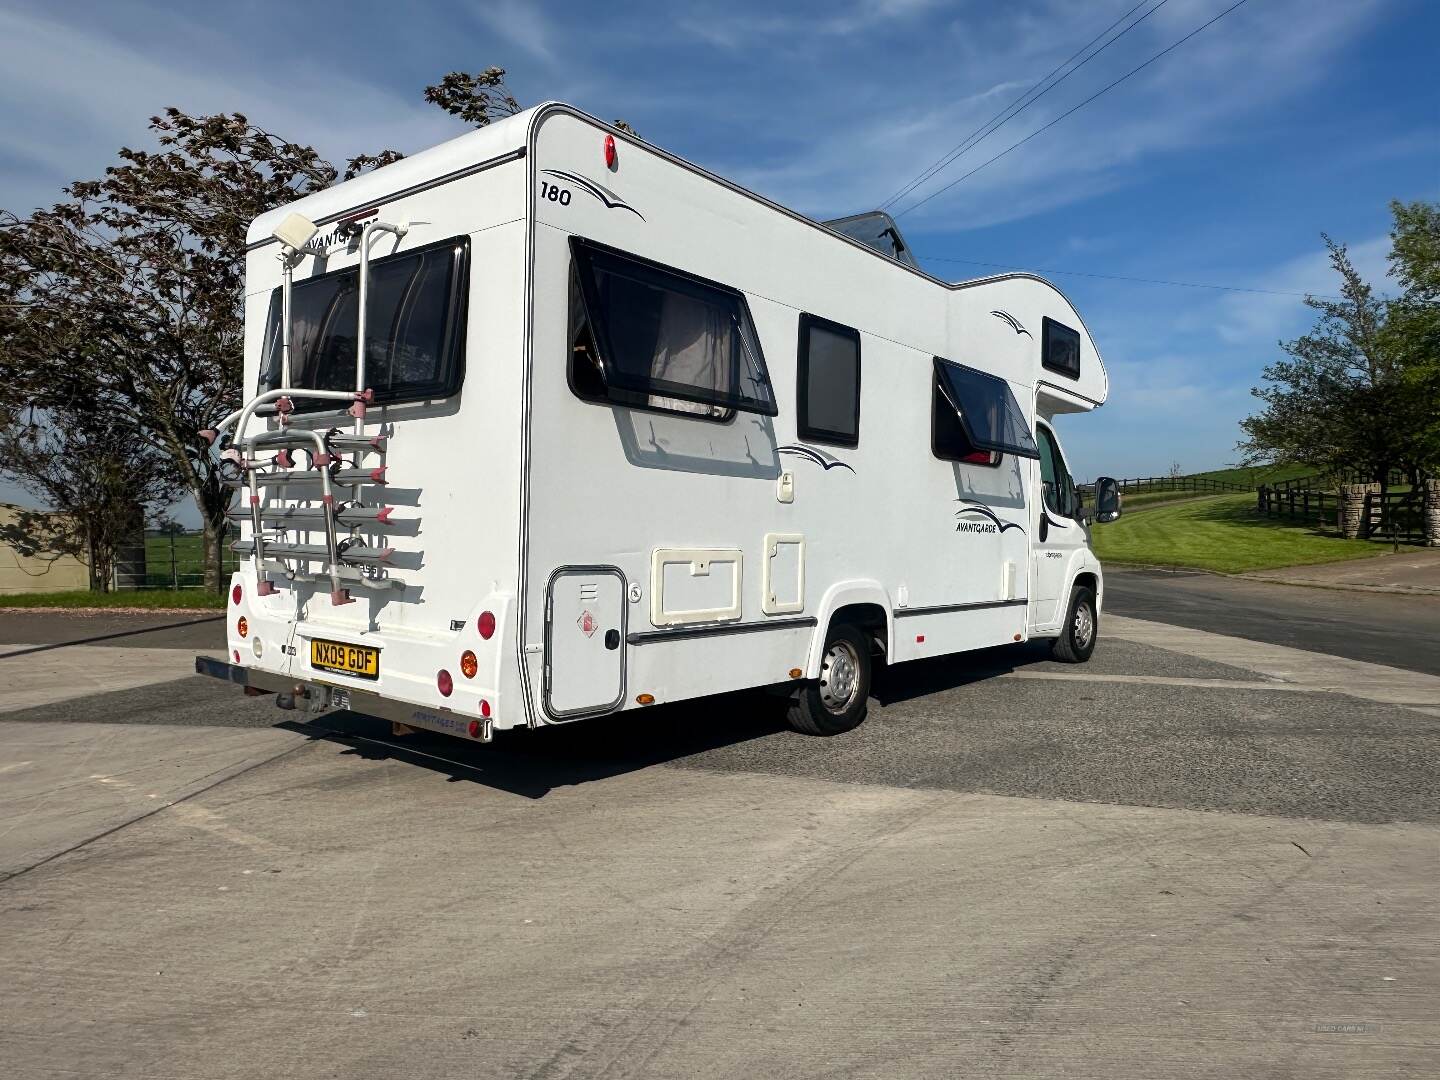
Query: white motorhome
x,y
622,432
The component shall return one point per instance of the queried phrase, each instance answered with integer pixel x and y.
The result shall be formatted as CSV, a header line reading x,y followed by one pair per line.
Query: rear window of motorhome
x,y
414,328
669,340
989,418
1060,348
829,382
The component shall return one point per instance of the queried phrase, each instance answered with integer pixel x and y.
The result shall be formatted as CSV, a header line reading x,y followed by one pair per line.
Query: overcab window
x,y
1060,348
976,417
415,328
829,382
651,337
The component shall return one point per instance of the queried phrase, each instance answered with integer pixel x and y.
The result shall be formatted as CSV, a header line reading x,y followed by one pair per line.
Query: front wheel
x,y
836,702
1082,625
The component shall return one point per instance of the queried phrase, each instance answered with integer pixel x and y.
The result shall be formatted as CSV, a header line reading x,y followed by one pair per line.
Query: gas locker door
x,y
585,613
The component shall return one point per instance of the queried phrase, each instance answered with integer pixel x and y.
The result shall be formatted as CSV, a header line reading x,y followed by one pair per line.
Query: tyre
x,y
836,702
1082,626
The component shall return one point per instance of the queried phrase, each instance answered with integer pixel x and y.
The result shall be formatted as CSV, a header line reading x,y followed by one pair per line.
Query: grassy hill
x,y
1223,533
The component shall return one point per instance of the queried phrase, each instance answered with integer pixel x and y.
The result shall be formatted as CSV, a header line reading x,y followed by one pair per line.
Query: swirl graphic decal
x,y
604,194
1012,322
991,524
809,453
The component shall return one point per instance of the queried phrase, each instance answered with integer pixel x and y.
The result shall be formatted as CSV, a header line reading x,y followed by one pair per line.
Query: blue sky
x,y
1219,164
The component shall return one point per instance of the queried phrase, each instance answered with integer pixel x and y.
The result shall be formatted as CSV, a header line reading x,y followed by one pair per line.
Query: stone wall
x,y
1432,513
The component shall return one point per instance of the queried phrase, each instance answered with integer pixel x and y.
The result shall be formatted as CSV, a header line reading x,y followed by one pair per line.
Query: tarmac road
x,y
1401,631
1196,856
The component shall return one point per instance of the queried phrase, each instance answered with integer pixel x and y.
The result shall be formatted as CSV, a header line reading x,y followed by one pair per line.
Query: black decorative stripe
x,y
809,453
945,609
985,512
414,189
610,200
649,637
1012,322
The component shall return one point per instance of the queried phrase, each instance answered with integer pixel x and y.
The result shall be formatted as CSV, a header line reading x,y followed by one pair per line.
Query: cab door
x,y
1057,532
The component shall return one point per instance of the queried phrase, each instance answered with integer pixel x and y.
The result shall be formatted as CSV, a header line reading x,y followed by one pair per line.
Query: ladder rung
x,y
347,515
307,476
304,440
347,574
358,554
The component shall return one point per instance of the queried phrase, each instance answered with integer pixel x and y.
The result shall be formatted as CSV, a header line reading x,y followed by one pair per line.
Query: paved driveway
x,y
1196,856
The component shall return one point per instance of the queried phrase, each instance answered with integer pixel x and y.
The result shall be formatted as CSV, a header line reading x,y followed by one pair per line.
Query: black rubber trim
x,y
648,637
413,189
942,609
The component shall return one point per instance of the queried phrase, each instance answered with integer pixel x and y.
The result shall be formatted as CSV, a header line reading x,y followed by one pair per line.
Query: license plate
x,y
360,661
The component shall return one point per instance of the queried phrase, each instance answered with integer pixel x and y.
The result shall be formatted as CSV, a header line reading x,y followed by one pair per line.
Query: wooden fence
x,y
1397,516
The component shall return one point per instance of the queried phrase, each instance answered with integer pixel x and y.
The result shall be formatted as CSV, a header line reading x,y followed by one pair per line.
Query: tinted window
x,y
414,332
988,414
829,382
1060,348
1055,482
668,340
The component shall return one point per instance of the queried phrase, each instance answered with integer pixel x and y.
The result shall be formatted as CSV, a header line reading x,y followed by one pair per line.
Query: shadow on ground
x,y
531,763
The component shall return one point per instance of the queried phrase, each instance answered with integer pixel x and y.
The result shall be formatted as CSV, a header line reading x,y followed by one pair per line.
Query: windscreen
x,y
987,409
670,336
414,332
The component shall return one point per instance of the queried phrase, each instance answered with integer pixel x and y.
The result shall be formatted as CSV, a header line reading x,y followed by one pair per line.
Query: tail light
x,y
241,626
235,595
474,729
486,625
484,708
468,664
444,683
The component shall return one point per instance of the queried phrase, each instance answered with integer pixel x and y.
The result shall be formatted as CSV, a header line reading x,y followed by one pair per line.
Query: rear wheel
x,y
1082,626
837,701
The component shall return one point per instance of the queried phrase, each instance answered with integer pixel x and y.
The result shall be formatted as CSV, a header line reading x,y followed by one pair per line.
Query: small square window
x,y
829,382
1060,348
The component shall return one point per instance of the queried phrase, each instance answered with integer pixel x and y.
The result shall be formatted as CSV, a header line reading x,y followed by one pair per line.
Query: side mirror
x,y
1107,499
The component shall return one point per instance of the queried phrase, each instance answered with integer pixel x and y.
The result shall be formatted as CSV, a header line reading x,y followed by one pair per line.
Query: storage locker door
x,y
584,641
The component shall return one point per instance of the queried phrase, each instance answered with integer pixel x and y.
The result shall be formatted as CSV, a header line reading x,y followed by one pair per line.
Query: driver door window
x,y
1055,482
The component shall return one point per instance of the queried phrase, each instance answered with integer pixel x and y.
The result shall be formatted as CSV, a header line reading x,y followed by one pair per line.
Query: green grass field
x,y
182,565
189,599
1257,474
1223,533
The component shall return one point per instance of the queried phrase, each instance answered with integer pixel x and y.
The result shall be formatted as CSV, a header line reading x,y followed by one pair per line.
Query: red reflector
x,y
242,627
468,664
474,729
609,151
486,625
237,656
445,683
484,707
919,637
235,595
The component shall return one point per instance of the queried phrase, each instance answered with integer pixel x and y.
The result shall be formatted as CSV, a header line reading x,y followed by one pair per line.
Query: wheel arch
x,y
860,603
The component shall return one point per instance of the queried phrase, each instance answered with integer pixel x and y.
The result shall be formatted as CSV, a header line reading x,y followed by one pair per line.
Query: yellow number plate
x,y
357,660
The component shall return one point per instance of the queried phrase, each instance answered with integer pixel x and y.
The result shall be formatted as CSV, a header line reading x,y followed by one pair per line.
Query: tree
x,y
127,294
124,300
1352,393
86,462
1413,322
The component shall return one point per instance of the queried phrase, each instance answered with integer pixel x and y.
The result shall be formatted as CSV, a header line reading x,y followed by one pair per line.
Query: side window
x,y
1060,348
646,336
1055,482
828,388
975,418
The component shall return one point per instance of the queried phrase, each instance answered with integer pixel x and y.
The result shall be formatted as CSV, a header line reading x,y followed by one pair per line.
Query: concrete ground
x,y
1199,855
1412,570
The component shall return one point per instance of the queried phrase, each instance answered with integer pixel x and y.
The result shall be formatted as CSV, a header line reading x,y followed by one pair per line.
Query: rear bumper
x,y
310,695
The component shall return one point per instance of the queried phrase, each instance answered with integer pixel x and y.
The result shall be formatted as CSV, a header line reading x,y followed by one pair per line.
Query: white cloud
x,y
1250,317
520,23
97,93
